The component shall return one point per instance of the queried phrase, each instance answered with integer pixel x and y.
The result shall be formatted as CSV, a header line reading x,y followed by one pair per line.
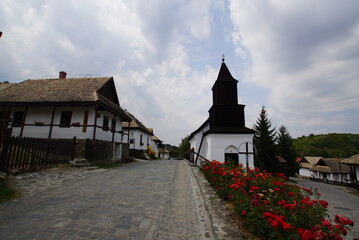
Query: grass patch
x,y
6,192
292,181
107,165
353,191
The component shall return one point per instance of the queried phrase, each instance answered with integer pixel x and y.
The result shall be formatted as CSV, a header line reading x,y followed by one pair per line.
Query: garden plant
x,y
271,208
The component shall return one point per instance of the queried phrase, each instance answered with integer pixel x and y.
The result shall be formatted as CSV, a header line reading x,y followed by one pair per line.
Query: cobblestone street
x,y
139,200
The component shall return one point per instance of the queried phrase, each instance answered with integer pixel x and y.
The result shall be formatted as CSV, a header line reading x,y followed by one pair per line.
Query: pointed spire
x,y
224,73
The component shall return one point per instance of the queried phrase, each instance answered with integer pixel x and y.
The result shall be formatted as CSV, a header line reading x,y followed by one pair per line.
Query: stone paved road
x,y
340,202
141,200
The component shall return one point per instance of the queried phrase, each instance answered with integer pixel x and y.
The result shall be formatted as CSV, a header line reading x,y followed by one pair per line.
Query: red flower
x,y
343,220
244,212
305,234
291,194
286,226
255,188
323,203
289,206
276,189
255,202
307,190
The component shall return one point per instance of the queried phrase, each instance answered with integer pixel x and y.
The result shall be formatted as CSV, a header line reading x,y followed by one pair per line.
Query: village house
x,y
330,170
224,136
353,163
306,163
64,108
163,153
140,137
155,143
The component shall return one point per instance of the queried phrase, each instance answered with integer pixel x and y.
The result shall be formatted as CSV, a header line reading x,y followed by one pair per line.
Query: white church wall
x,y
220,142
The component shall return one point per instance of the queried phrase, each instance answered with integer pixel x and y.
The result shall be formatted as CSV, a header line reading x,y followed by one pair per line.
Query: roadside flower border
x,y
270,207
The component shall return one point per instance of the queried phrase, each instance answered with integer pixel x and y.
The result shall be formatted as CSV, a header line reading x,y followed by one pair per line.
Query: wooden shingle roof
x,y
309,162
65,91
353,160
331,165
135,124
54,90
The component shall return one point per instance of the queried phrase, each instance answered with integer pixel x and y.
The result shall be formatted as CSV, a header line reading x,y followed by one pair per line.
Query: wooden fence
x,y
20,153
97,150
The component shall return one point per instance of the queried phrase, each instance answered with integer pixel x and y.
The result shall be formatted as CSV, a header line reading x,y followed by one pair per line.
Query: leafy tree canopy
x,y
328,145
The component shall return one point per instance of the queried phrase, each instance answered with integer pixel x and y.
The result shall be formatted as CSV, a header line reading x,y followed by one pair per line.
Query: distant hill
x,y
328,145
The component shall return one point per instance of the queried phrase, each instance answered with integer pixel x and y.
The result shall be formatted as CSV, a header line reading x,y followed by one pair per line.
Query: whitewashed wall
x,y
136,135
218,143
304,172
154,146
214,146
196,141
44,114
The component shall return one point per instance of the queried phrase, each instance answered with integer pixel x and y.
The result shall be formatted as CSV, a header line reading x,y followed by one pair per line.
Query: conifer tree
x,y
287,151
264,141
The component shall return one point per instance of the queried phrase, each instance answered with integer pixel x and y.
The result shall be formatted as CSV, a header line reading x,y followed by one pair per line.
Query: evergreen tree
x,y
287,151
264,141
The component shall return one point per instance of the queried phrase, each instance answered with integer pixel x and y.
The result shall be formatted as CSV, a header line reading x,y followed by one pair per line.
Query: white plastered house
x,y
139,137
63,108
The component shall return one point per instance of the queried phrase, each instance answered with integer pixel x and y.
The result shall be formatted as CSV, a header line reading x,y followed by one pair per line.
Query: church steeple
x,y
226,114
224,90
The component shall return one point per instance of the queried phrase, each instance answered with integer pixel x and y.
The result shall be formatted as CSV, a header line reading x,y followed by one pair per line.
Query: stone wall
x,y
102,151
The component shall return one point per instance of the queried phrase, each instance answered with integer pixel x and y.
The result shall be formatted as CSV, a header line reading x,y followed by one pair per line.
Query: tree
x,y
264,141
183,147
286,150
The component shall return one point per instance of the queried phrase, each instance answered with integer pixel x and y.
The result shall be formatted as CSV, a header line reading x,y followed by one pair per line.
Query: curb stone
x,y
223,226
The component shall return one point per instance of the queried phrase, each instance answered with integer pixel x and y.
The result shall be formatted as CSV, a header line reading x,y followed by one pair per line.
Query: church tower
x,y
224,136
226,115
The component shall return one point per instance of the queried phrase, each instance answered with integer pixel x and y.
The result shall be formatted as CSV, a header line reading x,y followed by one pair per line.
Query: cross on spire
x,y
222,57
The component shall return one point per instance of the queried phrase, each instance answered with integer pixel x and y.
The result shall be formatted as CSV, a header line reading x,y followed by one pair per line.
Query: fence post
x,y
73,148
4,150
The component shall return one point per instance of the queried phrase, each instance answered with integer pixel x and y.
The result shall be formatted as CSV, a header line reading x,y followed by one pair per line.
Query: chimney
x,y
62,74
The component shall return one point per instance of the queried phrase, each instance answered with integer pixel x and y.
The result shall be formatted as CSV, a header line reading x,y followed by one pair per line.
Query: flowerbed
x,y
272,209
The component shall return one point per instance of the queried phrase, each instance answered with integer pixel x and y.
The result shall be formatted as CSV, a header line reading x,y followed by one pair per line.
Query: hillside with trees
x,y
327,145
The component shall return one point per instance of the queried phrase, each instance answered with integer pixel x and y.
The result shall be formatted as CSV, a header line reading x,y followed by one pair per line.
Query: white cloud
x,y
165,55
304,53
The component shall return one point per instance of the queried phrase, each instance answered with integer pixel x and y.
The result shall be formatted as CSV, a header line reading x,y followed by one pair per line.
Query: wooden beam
x,y
52,120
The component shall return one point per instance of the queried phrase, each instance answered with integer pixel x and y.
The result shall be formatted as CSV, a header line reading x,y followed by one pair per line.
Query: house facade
x,y
139,137
330,170
306,163
64,108
155,143
353,163
224,136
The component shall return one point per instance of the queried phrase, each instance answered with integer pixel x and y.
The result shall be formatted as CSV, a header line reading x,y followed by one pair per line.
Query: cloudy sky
x,y
300,59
